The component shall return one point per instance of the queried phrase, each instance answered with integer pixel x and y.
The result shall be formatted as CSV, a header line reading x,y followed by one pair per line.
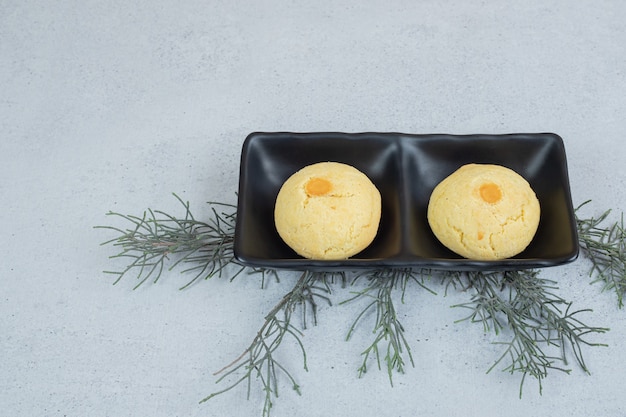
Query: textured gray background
x,y
114,105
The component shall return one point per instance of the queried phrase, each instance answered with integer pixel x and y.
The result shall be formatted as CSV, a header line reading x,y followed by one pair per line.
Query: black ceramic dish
x,y
405,168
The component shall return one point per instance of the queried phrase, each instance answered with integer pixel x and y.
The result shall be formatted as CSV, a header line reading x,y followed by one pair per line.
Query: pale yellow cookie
x,y
484,212
328,211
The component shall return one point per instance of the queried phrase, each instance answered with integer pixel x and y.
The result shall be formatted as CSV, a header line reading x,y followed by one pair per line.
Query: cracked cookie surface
x,y
328,211
484,212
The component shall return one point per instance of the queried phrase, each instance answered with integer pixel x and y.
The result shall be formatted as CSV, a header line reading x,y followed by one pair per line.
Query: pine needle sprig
x,y
157,239
605,246
390,344
543,327
260,361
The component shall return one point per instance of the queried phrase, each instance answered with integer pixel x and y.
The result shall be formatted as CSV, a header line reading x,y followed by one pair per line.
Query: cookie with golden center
x,y
484,212
328,211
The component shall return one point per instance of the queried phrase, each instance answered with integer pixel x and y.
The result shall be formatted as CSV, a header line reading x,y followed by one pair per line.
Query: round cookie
x,y
484,212
328,211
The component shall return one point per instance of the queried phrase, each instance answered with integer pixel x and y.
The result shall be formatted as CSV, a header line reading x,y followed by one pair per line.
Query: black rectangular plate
x,y
405,168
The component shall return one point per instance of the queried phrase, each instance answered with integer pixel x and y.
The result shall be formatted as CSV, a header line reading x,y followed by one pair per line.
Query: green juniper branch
x,y
543,326
156,237
387,328
605,247
259,360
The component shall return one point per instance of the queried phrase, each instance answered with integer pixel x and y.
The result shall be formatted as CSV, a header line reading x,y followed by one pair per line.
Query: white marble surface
x,y
114,105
